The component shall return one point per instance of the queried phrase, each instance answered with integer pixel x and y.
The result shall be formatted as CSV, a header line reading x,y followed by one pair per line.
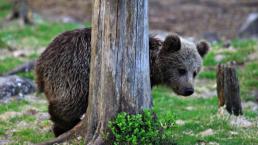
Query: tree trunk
x,y
21,11
228,89
119,72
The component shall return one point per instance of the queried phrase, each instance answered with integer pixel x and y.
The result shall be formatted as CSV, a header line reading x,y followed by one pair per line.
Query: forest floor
x,y
26,121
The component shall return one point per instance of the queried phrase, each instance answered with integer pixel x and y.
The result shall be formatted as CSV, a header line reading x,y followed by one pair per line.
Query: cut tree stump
x,y
228,89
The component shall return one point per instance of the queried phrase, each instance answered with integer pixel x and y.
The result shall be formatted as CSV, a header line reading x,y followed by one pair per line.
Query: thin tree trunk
x,y
119,72
21,11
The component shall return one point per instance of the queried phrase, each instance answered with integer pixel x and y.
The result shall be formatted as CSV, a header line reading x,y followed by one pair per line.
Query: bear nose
x,y
188,91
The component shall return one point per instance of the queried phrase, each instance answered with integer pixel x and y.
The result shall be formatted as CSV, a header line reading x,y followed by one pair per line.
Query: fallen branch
x,y
28,66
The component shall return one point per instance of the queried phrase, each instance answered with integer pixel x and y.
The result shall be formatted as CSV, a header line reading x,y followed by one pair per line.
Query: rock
x,y
212,37
249,28
201,142
250,105
253,57
19,53
219,57
5,142
233,133
240,121
207,132
180,122
213,143
43,116
15,86
189,108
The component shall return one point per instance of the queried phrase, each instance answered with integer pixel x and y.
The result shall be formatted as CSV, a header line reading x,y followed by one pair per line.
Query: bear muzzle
x,y
188,91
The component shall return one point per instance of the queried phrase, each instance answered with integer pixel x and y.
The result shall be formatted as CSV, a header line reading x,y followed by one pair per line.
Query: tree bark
x,y
119,72
228,89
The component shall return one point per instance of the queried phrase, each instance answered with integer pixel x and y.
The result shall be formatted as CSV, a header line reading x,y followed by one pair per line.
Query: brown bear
x,y
63,69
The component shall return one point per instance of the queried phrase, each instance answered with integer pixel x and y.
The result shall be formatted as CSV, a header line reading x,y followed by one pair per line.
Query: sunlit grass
x,y
201,116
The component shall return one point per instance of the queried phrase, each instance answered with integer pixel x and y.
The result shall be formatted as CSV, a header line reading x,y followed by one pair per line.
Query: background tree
x,y
22,11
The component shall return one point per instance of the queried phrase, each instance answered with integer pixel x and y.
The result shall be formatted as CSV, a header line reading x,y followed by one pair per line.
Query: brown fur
x,y
63,73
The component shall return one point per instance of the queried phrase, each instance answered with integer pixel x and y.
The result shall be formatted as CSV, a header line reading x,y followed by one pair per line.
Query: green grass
x,y
24,128
38,35
28,75
3,127
209,59
3,44
207,75
26,118
40,106
248,77
251,71
201,117
31,135
239,54
13,106
5,8
247,72
30,37
9,63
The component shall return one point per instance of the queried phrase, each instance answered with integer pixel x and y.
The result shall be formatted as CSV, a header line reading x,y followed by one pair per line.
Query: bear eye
x,y
181,71
194,74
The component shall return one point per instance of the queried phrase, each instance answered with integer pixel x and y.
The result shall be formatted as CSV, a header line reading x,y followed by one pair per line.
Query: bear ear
x,y
203,47
172,43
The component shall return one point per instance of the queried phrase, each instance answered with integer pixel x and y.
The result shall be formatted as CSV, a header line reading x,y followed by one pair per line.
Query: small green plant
x,y
144,129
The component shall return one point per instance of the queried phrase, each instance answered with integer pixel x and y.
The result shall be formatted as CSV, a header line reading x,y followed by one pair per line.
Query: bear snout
x,y
188,91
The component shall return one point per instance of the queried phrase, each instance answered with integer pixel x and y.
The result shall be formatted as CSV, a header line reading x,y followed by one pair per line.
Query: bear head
x,y
180,62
